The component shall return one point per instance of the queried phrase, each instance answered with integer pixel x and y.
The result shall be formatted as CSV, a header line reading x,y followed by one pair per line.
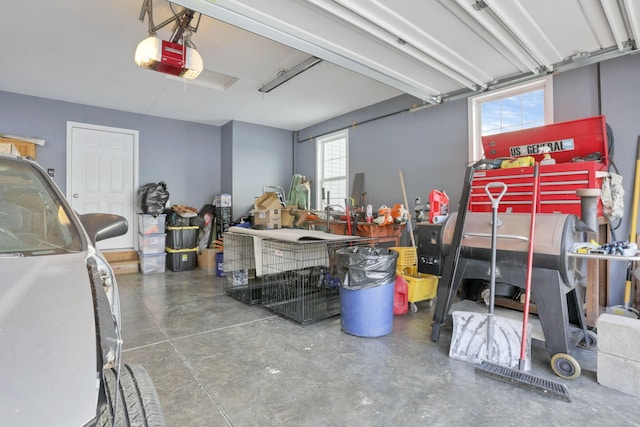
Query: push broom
x,y
627,310
518,376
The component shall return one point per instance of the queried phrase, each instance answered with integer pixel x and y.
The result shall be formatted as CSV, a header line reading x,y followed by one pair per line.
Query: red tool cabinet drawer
x,y
558,185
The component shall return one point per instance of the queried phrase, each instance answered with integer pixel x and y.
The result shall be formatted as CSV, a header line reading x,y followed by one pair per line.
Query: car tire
x,y
138,402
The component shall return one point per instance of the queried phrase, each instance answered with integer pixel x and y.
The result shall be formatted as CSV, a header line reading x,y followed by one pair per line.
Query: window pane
x,y
337,191
334,159
533,109
513,113
513,108
490,117
332,169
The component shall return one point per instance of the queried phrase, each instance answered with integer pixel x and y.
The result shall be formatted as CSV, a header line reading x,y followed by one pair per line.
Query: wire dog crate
x,y
303,283
240,269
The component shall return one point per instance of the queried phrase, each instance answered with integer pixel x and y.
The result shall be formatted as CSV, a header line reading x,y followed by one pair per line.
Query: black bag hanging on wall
x,y
152,198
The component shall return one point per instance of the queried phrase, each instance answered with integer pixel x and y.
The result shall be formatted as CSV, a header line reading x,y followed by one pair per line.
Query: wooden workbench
x,y
390,233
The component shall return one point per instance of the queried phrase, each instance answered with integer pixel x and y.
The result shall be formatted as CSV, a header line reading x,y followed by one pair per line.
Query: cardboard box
x,y
302,217
207,260
288,216
269,219
8,148
267,201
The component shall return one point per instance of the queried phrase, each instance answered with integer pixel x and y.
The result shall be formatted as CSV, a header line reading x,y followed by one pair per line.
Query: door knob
x,y
76,195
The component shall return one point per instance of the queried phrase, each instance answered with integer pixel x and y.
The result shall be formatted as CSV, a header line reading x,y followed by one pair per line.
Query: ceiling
x,y
436,50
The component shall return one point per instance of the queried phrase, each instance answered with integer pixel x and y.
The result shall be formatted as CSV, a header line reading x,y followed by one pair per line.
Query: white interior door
x,y
102,175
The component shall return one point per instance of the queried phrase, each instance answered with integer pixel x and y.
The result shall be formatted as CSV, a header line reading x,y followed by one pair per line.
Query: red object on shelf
x,y
438,204
558,182
567,140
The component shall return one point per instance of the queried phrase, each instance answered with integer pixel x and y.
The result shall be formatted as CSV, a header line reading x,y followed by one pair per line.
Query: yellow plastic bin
x,y
422,287
406,256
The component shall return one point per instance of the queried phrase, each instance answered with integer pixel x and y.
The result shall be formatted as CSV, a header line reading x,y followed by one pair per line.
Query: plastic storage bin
x,y
421,288
149,224
220,264
151,243
151,263
181,259
406,256
182,237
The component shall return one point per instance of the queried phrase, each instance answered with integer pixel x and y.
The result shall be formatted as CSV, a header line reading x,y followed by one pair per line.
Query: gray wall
x,y
258,156
185,155
196,161
226,154
430,145
575,94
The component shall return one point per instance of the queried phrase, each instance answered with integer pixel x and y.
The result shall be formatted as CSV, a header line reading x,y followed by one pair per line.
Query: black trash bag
x,y
152,198
365,267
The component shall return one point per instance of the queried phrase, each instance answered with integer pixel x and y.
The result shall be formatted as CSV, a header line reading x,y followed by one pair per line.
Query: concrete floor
x,y
218,362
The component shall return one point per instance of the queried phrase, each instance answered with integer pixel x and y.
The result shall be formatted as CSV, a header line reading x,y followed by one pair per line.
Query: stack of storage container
x,y
182,248
151,243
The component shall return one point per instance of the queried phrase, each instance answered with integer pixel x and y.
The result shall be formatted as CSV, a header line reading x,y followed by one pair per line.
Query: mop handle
x,y
527,292
495,202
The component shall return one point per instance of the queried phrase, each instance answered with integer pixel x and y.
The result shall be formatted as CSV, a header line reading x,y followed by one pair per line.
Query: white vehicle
x,y
60,313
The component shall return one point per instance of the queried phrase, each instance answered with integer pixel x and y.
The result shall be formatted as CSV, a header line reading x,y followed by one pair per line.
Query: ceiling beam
x,y
616,22
243,16
403,35
497,29
515,17
633,15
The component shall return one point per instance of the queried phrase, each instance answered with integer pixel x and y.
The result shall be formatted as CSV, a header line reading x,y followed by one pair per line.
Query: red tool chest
x,y
558,185
570,143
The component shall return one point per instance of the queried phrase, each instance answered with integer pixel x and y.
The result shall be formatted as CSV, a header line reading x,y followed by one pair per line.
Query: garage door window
x,y
332,168
514,108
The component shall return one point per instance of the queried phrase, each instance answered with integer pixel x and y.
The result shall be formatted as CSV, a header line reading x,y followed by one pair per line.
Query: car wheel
x,y
138,402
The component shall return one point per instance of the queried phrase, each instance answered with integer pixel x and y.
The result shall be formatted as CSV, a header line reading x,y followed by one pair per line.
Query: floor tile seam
x,y
140,347
223,328
201,383
166,336
185,361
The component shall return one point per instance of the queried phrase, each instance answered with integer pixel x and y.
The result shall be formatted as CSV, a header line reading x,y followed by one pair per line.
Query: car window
x,y
34,220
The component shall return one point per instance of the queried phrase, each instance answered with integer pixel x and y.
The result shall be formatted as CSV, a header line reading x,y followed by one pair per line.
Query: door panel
x,y
102,176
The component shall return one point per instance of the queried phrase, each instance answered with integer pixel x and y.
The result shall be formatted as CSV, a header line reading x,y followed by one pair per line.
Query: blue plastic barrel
x,y
367,312
220,264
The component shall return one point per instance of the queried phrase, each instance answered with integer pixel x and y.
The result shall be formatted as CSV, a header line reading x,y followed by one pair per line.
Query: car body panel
x,y
59,305
47,327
